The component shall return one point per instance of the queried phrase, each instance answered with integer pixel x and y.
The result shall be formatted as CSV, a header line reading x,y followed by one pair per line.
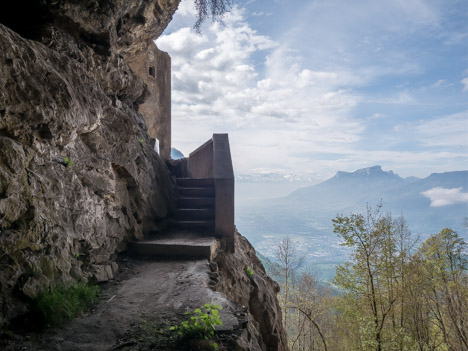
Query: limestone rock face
x,y
257,292
78,174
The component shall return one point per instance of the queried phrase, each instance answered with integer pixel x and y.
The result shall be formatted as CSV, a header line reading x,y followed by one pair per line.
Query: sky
x,y
308,88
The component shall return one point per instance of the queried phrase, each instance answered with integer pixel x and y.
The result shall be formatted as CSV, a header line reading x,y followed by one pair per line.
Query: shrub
x,y
201,324
250,272
67,162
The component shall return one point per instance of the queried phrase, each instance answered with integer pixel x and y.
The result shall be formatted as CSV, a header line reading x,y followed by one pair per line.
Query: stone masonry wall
x,y
154,67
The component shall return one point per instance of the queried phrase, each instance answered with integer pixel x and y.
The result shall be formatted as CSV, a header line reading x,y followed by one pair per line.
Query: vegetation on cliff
x,y
59,304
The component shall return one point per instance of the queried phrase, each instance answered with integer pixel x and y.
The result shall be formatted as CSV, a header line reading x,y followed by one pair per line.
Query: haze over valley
x,y
269,209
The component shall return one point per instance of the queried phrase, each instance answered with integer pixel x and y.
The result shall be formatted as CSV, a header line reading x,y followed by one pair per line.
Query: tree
x,y
288,262
404,245
393,296
308,301
445,286
369,278
216,8
301,298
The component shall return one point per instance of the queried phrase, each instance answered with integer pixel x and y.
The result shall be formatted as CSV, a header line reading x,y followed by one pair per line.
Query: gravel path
x,y
137,309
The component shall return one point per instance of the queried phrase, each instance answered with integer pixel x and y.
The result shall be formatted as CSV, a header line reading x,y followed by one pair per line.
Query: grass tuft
x,y
62,303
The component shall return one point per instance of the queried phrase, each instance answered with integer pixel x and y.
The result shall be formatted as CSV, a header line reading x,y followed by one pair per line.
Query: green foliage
x,y
67,162
250,272
62,303
201,324
394,295
141,140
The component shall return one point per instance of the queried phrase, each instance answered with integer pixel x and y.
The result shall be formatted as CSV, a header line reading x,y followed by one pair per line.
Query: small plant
x,y
62,303
67,162
250,272
141,140
201,324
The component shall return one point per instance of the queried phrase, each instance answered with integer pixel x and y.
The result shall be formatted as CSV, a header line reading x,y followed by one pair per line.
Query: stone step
x,y
194,213
176,246
197,192
205,226
195,202
195,182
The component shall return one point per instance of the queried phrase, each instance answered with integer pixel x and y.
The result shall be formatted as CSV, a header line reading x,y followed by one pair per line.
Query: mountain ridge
x,y
351,192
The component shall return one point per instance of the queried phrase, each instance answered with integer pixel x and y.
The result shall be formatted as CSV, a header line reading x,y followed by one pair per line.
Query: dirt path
x,y
136,313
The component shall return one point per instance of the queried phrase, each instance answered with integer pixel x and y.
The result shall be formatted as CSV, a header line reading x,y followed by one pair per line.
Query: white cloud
x,y
449,130
292,103
217,87
441,84
444,197
400,98
378,116
186,8
261,13
464,81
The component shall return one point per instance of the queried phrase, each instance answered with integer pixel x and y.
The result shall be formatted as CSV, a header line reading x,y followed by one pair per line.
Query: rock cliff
x,y
242,278
79,177
78,174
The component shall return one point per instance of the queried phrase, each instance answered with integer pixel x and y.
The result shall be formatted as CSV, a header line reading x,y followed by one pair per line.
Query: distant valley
x,y
429,204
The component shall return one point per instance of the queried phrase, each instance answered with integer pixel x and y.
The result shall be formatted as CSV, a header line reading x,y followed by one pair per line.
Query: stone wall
x,y
154,67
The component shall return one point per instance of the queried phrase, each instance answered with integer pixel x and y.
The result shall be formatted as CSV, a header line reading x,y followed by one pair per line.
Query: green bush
x,y
62,303
67,162
201,324
250,272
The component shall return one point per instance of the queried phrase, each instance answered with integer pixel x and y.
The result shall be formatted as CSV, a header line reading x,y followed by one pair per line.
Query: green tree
x,y
368,280
443,263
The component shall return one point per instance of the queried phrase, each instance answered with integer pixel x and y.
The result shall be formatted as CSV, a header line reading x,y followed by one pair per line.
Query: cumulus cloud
x,y
444,197
305,100
269,107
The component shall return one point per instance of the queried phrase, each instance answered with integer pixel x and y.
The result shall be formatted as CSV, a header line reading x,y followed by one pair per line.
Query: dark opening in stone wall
x,y
152,71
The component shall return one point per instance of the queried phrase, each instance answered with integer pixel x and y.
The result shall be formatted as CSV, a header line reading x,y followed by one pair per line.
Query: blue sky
x,y
312,87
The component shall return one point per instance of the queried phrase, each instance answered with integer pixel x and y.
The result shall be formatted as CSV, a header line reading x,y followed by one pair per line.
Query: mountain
x,y
275,176
429,205
351,191
176,154
346,189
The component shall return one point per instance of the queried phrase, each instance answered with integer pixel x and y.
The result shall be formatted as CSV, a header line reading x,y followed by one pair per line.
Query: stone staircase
x,y
195,209
190,234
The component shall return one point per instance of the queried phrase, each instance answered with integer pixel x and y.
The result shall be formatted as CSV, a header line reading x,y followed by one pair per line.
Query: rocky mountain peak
x,y
373,172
